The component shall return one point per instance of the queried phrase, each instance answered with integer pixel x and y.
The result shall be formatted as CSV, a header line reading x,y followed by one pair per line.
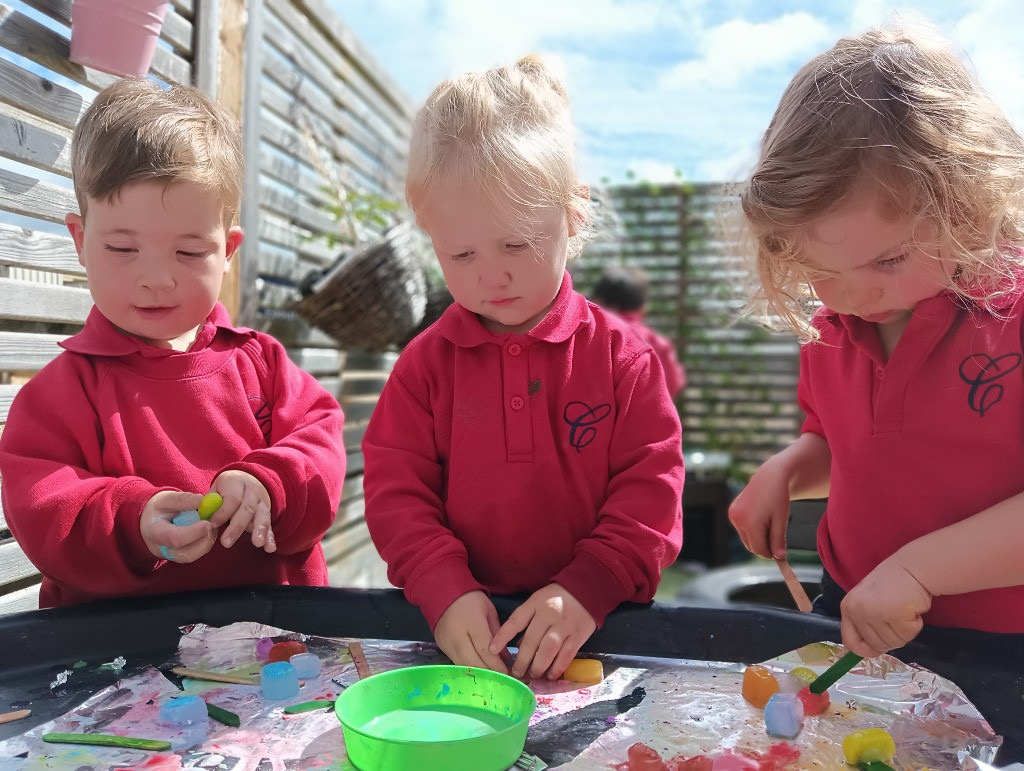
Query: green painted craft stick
x,y
829,677
875,765
222,715
308,706
108,740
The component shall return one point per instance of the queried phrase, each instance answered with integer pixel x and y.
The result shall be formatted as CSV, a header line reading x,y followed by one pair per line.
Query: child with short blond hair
x,y
159,399
525,442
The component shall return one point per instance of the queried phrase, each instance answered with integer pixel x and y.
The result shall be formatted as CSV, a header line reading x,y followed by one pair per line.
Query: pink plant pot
x,y
116,36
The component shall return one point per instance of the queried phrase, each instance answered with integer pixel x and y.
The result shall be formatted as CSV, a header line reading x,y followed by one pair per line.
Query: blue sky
x,y
666,86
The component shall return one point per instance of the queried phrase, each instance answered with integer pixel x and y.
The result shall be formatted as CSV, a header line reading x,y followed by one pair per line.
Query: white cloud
x,y
737,48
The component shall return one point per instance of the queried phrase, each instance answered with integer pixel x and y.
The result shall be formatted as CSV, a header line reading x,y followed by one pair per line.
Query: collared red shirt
x,y
113,420
928,438
509,462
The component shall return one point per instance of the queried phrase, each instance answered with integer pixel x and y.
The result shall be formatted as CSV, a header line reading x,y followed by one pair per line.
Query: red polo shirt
x,y
508,462
931,437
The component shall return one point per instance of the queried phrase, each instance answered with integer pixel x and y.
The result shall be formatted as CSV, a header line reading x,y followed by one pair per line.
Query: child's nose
x,y
860,296
493,272
155,276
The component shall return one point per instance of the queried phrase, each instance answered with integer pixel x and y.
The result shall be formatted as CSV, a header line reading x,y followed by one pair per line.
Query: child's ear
x,y
76,227
234,239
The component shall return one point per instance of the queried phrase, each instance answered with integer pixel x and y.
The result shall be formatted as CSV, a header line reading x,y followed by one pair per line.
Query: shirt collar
x,y
100,337
569,311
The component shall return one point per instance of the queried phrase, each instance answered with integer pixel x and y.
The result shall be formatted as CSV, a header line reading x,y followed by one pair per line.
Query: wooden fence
x,y
317,110
740,398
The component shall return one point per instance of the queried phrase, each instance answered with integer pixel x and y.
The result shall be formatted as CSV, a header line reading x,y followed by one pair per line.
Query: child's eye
x,y
517,247
192,255
892,262
462,256
119,249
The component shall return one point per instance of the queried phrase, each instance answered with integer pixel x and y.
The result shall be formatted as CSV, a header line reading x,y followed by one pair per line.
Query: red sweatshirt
x,y
112,421
508,462
675,375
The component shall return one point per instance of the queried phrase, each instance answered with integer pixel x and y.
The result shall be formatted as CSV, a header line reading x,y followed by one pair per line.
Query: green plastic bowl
x,y
439,718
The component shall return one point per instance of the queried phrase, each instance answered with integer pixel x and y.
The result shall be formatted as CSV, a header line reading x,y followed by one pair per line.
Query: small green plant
x,y
356,213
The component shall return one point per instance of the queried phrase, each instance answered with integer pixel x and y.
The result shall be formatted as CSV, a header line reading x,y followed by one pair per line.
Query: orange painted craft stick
x,y
355,650
18,714
803,602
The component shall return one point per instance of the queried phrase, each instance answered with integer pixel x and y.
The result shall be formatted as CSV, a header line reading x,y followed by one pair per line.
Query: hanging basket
x,y
372,298
438,300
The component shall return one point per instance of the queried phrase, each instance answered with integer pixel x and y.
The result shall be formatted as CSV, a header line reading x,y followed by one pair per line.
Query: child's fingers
x,y
192,550
183,535
175,501
565,656
777,541
515,624
262,532
242,518
527,660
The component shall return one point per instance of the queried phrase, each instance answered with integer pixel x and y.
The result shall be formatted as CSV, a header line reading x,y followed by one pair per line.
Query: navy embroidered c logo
x,y
979,371
581,418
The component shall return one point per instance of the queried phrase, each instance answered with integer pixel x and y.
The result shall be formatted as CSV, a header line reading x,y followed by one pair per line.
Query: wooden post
x,y
219,67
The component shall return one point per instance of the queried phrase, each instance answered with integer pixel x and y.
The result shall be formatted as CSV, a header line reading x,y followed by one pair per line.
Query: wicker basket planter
x,y
372,298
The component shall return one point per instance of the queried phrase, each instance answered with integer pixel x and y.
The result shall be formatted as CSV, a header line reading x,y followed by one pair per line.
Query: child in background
x,y
622,289
891,189
159,399
524,442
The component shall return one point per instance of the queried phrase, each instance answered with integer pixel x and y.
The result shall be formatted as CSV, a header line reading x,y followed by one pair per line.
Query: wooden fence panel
x,y
321,116
740,397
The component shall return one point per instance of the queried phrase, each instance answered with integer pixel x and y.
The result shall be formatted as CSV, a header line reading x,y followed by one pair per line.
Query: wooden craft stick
x,y
109,740
18,714
355,650
216,677
803,602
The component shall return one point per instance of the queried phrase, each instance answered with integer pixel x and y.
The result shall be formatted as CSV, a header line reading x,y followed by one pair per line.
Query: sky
x,y
663,88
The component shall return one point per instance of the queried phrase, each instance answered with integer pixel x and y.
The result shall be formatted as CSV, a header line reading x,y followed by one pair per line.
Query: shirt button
x,y
879,371
515,349
517,402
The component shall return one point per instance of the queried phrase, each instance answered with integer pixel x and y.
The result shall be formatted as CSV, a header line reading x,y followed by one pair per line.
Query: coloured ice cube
x,y
189,517
306,665
278,680
758,685
783,715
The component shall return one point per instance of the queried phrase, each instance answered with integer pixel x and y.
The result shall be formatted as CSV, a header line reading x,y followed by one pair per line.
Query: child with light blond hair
x,y
524,443
160,399
887,209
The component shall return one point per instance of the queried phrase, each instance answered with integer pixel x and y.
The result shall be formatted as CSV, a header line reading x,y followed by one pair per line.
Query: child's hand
x,y
465,630
170,542
246,507
555,625
884,610
760,513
